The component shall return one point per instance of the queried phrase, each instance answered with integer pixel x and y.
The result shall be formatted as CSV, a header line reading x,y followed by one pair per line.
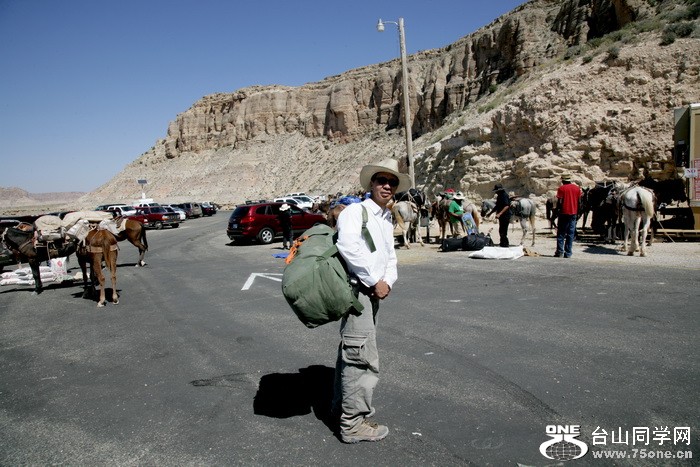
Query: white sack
x,y
495,252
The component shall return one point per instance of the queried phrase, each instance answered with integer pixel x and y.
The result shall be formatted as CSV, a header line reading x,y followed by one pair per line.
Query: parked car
x,y
304,201
6,257
180,212
208,209
157,217
147,205
191,209
121,210
289,200
259,221
104,207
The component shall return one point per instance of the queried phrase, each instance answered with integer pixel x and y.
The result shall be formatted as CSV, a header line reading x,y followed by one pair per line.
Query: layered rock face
x,y
496,105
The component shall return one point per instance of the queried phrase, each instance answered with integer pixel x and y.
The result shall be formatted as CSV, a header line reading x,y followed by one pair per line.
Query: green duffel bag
x,y
316,282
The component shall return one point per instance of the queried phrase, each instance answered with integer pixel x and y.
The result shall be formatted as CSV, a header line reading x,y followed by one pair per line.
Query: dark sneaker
x,y
367,431
558,254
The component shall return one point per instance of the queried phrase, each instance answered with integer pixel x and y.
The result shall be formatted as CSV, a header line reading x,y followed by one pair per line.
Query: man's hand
x,y
381,290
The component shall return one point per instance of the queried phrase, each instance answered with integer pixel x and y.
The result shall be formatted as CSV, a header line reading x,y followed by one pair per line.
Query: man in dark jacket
x,y
285,218
502,210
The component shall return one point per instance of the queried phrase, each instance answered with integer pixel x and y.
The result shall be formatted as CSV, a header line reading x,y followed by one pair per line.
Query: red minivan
x,y
258,221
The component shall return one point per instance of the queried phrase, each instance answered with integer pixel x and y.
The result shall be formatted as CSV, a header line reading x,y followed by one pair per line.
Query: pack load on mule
x,y
55,272
316,282
51,237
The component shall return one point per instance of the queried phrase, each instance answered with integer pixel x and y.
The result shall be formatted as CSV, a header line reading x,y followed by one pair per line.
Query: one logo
x,y
563,446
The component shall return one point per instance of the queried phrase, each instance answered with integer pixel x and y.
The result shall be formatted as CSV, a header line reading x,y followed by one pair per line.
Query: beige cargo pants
x,y
357,366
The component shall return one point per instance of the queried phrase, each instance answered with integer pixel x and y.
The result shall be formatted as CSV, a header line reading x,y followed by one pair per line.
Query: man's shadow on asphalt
x,y
284,395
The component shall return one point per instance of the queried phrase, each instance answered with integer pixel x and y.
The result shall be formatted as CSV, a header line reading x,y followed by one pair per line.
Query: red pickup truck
x,y
155,217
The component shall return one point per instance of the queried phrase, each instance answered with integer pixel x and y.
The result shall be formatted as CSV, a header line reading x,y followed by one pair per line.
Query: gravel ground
x,y
677,253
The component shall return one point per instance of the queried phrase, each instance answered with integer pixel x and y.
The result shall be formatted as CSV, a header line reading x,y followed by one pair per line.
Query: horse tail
x,y
647,203
143,237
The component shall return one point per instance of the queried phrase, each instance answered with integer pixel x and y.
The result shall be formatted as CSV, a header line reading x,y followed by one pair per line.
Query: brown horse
x,y
135,232
333,213
21,241
99,245
441,212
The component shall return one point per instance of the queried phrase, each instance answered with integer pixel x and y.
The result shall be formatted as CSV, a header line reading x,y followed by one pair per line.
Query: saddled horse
x,y
602,201
135,232
441,212
552,209
21,241
637,210
487,206
407,217
666,191
420,199
525,210
100,245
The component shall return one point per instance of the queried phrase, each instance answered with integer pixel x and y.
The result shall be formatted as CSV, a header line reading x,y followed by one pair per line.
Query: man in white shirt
x,y
357,367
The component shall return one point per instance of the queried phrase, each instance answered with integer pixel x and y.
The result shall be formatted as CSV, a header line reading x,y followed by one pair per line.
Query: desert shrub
x,y
668,37
682,12
587,59
572,52
613,52
595,42
683,29
647,25
493,88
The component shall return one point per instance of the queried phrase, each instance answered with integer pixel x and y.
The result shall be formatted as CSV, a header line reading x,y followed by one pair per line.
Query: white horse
x,y
525,210
407,218
637,210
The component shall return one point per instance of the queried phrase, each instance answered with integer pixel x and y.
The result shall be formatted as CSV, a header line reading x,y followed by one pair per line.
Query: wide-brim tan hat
x,y
389,166
459,195
284,207
565,177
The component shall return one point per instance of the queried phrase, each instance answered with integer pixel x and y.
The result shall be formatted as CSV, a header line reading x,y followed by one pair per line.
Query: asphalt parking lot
x,y
202,362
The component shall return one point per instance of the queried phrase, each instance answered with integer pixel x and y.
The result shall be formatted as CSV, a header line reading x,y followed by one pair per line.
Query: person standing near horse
x,y
357,365
568,197
503,214
285,218
456,212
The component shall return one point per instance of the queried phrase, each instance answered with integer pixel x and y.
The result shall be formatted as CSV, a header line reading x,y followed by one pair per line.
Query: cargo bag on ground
x,y
316,282
471,242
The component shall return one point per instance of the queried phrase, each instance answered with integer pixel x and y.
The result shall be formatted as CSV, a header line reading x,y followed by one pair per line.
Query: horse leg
x,y
97,270
532,224
111,259
34,265
631,233
643,240
142,251
142,245
416,230
523,225
82,261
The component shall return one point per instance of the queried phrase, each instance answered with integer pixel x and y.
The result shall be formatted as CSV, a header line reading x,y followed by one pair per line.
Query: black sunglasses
x,y
393,182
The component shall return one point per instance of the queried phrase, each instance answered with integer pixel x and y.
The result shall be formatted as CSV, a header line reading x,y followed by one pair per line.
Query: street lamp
x,y
407,112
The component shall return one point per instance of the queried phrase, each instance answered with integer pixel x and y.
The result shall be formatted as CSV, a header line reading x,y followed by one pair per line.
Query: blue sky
x,y
87,86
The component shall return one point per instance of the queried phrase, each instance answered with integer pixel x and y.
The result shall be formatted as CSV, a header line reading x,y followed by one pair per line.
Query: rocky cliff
x,y
576,85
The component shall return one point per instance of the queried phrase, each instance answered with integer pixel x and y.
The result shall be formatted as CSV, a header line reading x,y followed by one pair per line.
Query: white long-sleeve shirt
x,y
369,267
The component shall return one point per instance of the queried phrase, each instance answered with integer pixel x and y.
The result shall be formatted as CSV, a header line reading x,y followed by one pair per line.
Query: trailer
x,y
684,222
